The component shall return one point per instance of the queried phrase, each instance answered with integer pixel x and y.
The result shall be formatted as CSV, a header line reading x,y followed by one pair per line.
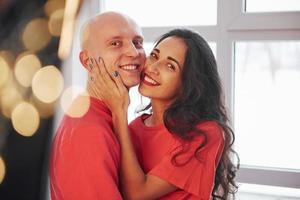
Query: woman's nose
x,y
151,66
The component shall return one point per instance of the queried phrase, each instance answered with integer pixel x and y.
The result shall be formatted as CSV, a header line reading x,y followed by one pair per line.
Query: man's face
x,y
120,44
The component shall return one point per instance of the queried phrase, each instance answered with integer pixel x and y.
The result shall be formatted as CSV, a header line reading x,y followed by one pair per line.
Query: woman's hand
x,y
107,85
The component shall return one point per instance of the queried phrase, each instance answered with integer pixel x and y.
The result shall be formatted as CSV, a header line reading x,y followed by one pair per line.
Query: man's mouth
x,y
130,67
149,81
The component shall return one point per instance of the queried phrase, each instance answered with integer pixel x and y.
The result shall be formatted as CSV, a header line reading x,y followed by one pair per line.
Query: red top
x,y
85,157
155,146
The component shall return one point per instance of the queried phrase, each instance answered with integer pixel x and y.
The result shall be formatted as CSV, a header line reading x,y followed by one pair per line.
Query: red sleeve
x,y
198,174
89,165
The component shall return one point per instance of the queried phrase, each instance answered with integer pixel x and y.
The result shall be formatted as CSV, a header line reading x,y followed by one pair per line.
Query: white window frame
x,y
241,26
233,24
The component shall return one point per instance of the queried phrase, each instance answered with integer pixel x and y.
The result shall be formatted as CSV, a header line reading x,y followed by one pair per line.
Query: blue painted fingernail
x,y
115,73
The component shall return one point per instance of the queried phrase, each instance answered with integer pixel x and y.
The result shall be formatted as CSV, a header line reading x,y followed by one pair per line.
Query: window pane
x,y
265,192
148,46
267,103
272,5
167,12
213,46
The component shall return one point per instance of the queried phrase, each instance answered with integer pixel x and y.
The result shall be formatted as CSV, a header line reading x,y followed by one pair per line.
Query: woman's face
x,y
161,77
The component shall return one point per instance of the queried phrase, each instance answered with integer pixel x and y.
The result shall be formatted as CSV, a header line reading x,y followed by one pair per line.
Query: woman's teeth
x,y
150,80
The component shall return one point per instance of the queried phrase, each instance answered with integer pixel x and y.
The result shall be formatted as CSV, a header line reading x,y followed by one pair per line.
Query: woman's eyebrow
x,y
169,57
157,50
173,59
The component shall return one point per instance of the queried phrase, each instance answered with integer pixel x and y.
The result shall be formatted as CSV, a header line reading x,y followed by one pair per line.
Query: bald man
x,y
85,152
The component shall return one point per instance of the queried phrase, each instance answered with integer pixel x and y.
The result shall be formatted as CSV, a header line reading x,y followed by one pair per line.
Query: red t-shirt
x,y
155,146
85,157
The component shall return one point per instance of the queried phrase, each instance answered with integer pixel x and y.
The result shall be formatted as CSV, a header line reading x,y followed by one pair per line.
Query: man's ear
x,y
84,59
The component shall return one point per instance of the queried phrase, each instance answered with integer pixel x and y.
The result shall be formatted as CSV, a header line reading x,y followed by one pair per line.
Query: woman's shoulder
x,y
212,129
137,125
137,122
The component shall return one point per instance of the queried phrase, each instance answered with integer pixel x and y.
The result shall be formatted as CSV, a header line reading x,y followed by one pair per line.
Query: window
x,y
167,12
272,5
266,105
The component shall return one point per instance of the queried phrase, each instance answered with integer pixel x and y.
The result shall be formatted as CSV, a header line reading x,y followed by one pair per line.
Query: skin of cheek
x,y
171,84
164,92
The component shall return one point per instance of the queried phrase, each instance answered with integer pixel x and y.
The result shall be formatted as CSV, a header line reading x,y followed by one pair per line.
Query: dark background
x,y
26,158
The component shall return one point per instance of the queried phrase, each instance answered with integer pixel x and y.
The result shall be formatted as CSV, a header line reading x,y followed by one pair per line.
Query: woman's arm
x,y
135,183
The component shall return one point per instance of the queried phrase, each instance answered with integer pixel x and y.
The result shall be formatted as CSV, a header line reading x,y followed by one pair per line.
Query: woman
x,y
182,150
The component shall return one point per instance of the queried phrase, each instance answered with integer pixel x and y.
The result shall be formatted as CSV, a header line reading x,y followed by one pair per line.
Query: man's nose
x,y
131,50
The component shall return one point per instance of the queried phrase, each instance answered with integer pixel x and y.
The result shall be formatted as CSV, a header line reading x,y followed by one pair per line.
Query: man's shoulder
x,y
84,128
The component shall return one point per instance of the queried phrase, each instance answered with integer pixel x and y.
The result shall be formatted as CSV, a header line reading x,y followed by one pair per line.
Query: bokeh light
x,y
53,5
55,22
45,110
8,57
30,34
10,97
47,84
4,71
25,68
2,170
68,28
72,105
25,119
36,35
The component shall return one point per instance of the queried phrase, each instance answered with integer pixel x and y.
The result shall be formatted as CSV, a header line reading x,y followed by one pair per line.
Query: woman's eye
x,y
153,55
170,66
115,43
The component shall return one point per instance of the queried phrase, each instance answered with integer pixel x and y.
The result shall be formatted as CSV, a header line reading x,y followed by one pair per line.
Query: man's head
x,y
118,40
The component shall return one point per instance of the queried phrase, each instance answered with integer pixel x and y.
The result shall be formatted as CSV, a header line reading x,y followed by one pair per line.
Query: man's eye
x,y
138,43
115,43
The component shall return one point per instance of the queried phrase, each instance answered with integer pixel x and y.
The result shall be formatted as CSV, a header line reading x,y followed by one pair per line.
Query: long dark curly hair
x,y
201,99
